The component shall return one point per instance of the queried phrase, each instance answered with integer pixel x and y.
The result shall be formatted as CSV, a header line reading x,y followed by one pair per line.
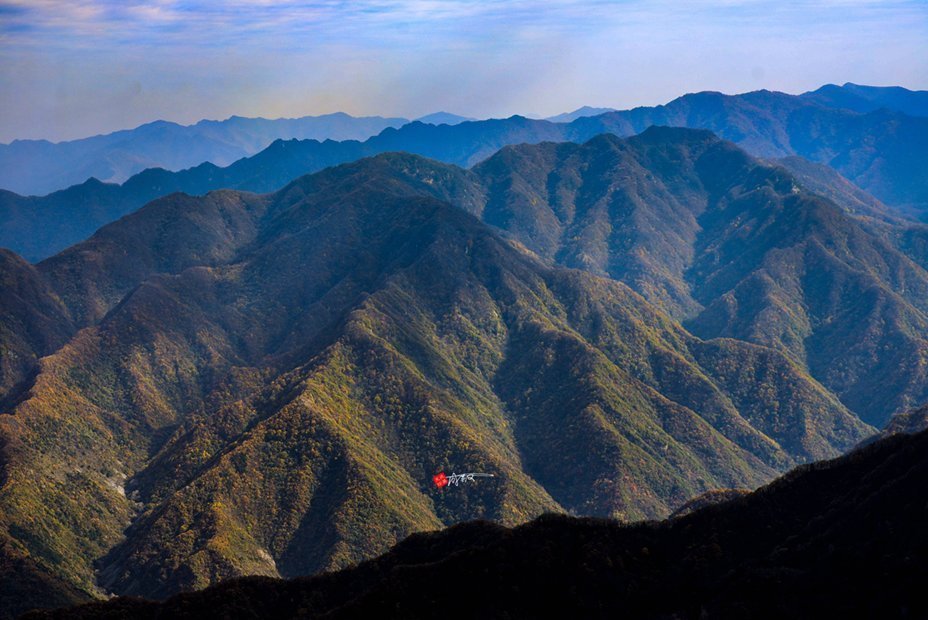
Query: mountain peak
x,y
443,118
864,99
568,117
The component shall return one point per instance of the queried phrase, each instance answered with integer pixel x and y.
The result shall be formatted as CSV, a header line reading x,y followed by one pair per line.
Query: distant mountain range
x,y
568,117
883,152
853,97
844,539
38,167
240,384
864,99
443,118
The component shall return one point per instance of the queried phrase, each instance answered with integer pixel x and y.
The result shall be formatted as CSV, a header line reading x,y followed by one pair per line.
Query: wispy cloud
x,y
72,67
204,23
145,22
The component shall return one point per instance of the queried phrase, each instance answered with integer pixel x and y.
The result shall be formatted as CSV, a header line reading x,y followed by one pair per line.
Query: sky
x,y
74,68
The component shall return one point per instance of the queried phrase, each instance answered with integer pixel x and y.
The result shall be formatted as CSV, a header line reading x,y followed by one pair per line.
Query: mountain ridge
x,y
860,98
660,212
621,232
444,118
40,166
767,124
340,341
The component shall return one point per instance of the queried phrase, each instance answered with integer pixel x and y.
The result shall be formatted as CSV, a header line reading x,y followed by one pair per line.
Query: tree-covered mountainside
x,y
884,151
735,248
730,245
245,384
840,539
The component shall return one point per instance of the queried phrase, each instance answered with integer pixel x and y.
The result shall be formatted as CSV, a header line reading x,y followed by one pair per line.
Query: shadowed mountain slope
x,y
844,538
35,322
265,385
908,422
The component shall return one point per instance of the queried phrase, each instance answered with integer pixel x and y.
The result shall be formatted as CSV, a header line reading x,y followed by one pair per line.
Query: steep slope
x,y
25,586
37,227
844,538
40,167
734,247
639,222
41,310
828,182
907,235
599,207
283,375
178,233
35,322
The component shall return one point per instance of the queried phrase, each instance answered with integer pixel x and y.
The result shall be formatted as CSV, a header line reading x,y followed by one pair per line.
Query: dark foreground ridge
x,y
838,539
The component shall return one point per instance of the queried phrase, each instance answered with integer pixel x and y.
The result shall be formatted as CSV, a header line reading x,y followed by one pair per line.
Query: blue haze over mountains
x,y
38,167
876,137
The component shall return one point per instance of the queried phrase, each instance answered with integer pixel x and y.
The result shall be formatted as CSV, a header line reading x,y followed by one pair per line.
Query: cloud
x,y
63,24
68,68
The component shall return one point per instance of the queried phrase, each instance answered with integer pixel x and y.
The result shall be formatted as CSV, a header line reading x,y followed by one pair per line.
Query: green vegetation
x,y
844,538
266,384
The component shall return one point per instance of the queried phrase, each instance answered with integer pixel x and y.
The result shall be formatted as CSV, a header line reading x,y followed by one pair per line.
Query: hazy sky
x,y
74,68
